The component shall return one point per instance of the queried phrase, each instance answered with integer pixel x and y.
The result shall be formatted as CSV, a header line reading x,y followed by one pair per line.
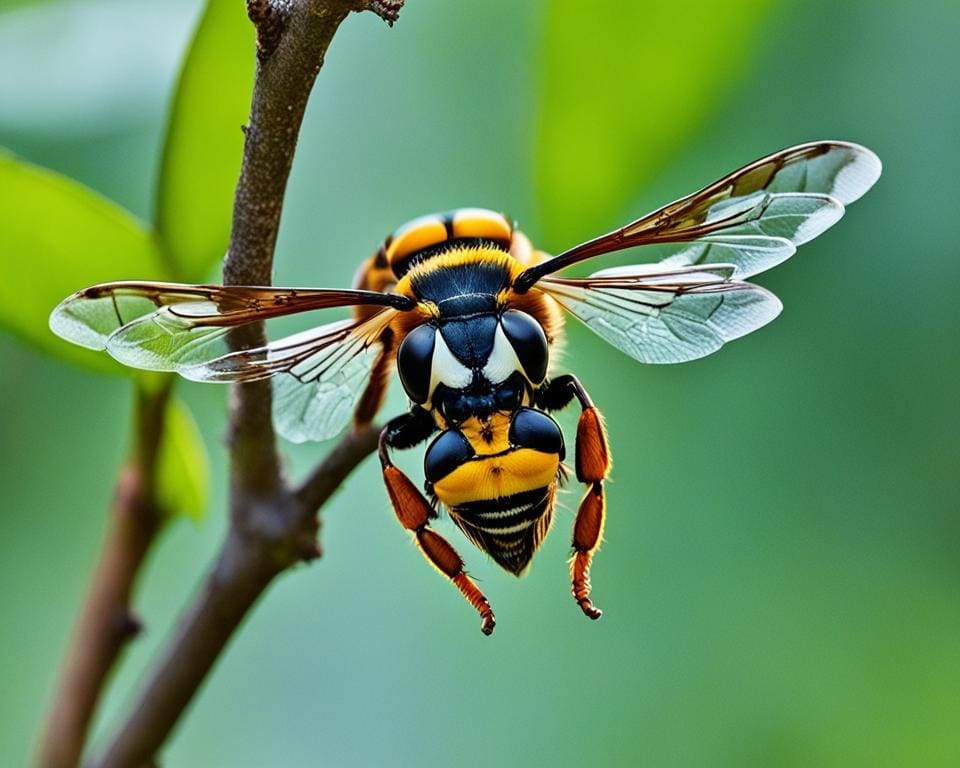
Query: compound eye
x,y
414,362
449,451
528,340
534,429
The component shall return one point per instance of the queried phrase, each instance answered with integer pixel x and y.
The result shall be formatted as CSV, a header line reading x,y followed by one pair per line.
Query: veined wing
x,y
318,375
316,398
169,326
753,218
658,314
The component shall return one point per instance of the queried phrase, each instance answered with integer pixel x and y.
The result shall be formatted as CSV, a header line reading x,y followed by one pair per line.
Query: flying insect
x,y
469,313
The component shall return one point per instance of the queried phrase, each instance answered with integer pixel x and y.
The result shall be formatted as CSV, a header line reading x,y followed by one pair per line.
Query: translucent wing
x,y
658,314
315,399
753,218
318,375
160,326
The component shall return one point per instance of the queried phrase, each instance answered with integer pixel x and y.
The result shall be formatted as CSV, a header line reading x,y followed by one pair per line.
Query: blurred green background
x,y
781,571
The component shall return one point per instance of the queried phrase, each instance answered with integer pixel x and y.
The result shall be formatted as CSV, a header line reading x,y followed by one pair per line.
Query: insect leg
x,y
408,429
372,396
415,512
592,465
375,275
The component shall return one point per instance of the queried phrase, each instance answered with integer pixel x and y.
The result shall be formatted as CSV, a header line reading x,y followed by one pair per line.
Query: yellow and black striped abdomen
x,y
432,234
498,481
509,529
436,229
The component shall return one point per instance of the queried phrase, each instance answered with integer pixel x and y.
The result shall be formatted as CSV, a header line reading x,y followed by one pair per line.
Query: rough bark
x,y
273,525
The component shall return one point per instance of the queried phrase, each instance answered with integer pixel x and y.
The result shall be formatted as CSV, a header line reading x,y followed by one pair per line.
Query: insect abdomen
x,y
510,529
498,480
462,224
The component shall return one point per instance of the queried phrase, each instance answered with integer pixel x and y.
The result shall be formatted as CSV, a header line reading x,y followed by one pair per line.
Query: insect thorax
x,y
476,355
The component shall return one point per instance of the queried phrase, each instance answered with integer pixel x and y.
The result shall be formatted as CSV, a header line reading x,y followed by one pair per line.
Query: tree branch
x,y
107,622
271,526
326,478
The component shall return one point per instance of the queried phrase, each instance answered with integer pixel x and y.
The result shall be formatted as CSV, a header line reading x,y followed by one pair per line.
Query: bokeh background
x,y
781,572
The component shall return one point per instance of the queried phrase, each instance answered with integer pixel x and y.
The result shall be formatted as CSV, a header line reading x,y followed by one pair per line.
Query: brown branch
x,y
244,569
326,478
271,526
240,575
107,622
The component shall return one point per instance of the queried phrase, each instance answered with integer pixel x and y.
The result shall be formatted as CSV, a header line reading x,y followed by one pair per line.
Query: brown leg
x,y
414,513
375,275
592,464
587,531
372,396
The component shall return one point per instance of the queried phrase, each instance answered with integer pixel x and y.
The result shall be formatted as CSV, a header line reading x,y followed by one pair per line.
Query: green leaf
x,y
56,237
204,143
624,84
183,469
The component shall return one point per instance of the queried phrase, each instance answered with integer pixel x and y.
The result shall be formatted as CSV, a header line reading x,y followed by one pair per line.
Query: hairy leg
x,y
414,513
592,466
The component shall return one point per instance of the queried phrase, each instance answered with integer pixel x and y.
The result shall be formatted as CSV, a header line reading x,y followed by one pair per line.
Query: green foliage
x,y
624,85
57,237
779,571
183,470
204,143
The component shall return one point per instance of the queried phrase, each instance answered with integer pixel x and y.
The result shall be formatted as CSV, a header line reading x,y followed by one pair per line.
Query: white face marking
x,y
446,369
503,359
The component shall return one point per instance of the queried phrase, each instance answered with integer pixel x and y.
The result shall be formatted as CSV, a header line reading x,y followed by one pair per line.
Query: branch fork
x,y
273,525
